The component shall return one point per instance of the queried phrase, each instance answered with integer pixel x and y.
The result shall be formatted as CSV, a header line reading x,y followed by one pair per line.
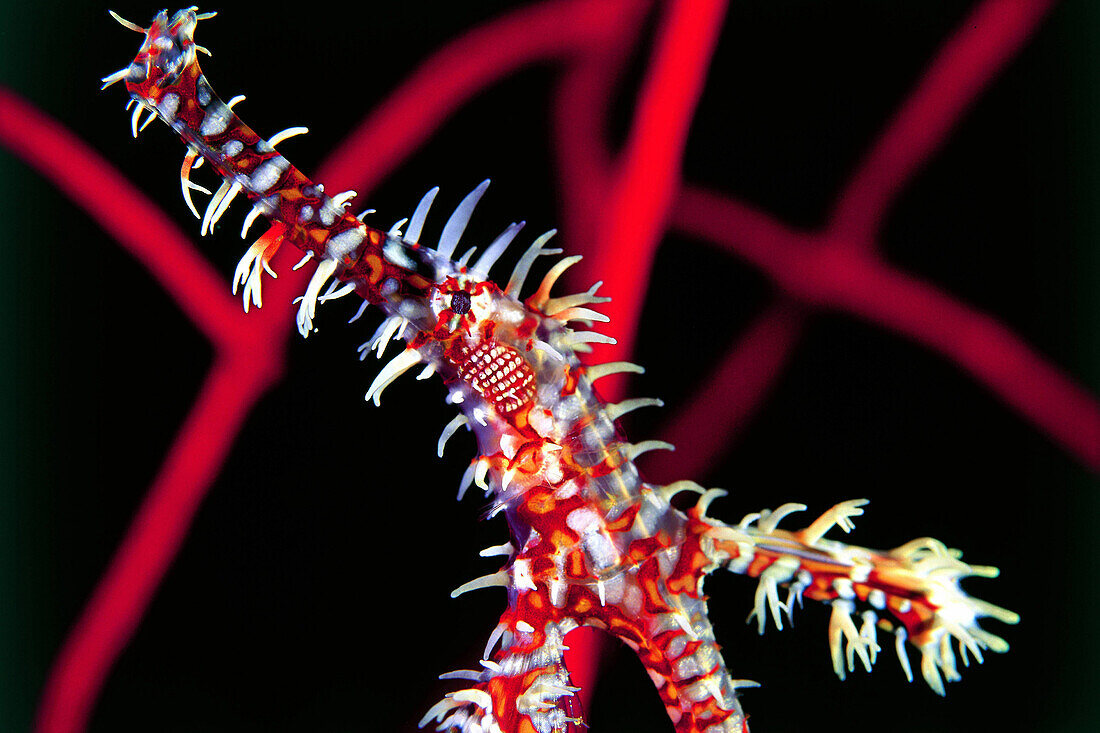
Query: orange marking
x,y
571,377
562,539
623,521
374,265
541,504
521,418
758,565
649,585
576,564
624,629
531,676
609,464
682,584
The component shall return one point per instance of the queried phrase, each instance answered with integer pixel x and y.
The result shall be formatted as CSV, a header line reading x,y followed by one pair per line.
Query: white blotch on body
x,y
345,242
216,120
267,174
232,148
168,106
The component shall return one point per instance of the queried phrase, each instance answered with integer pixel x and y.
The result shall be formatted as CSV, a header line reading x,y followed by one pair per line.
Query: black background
x,y
312,593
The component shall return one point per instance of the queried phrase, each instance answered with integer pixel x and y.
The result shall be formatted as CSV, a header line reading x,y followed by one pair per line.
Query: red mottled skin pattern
x,y
592,544
169,43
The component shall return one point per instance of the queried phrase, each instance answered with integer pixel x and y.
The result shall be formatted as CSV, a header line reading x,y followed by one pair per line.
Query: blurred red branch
x,y
730,394
636,195
827,273
987,39
152,541
249,358
125,213
812,268
467,65
645,182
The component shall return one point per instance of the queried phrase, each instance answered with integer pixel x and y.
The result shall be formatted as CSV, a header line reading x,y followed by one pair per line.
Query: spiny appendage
x,y
524,687
917,584
500,371
165,80
655,607
672,636
635,573
397,253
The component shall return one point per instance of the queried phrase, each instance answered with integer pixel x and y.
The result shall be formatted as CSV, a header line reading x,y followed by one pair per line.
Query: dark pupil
x,y
460,302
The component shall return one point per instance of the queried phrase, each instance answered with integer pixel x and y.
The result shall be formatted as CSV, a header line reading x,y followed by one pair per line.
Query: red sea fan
x,y
312,584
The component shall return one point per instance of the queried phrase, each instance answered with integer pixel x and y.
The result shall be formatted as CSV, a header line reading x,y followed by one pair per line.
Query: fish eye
x,y
460,302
